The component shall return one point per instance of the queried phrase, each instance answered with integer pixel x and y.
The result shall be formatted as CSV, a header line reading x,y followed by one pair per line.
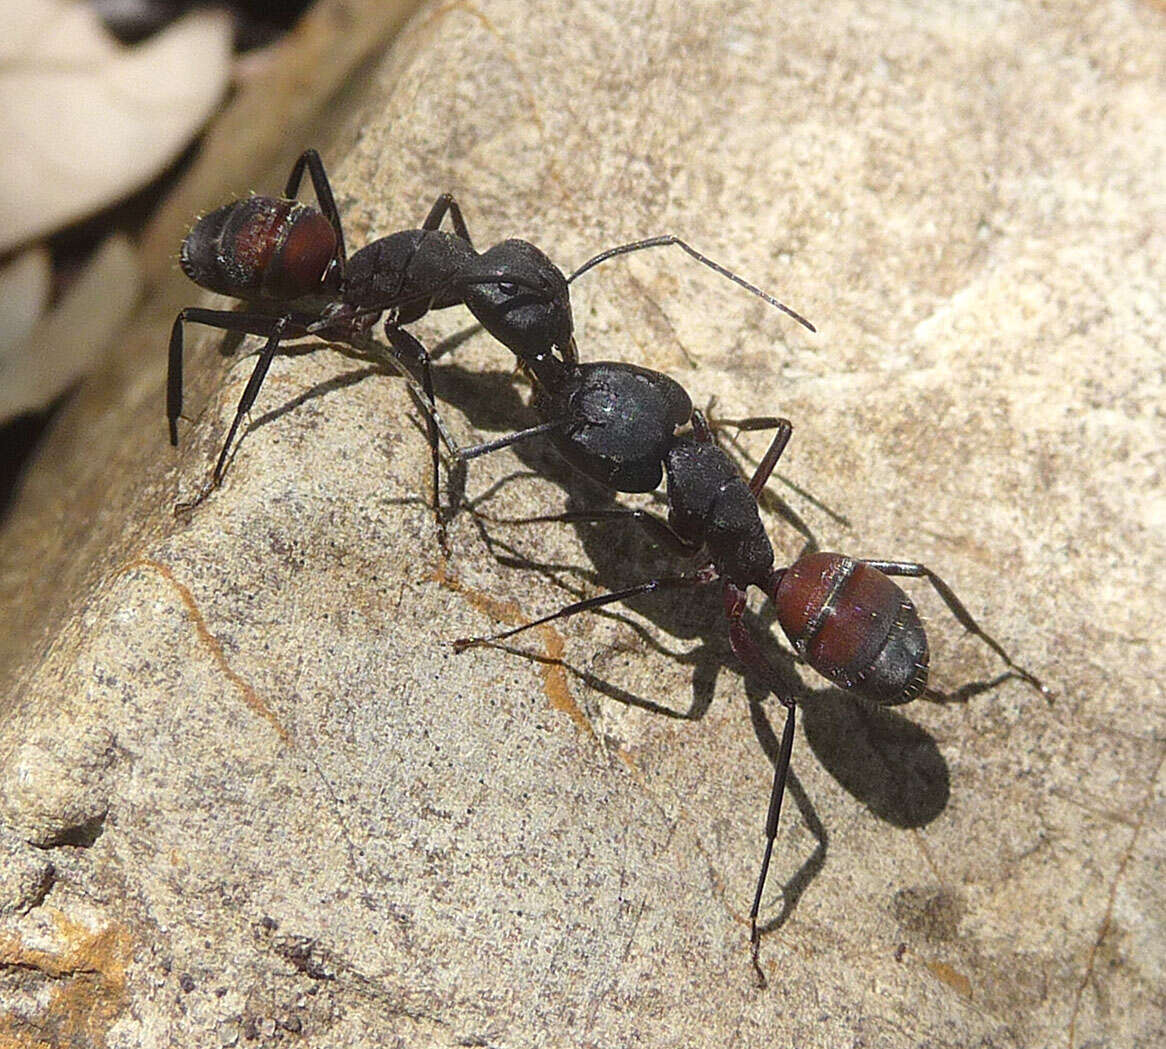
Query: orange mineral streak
x,y
954,979
555,680
553,669
88,992
250,696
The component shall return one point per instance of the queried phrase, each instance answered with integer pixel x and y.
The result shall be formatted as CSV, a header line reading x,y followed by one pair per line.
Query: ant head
x,y
521,298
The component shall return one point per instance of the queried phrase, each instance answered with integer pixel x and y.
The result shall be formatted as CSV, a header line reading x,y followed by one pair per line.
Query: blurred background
x,y
106,107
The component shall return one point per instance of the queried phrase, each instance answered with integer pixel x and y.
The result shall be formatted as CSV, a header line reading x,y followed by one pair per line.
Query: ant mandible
x,y
843,616
287,261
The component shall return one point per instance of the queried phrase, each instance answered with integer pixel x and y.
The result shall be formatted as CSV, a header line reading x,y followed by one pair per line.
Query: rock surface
x,y
279,809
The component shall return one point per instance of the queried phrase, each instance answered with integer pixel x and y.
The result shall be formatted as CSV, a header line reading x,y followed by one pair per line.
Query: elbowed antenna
x,y
657,242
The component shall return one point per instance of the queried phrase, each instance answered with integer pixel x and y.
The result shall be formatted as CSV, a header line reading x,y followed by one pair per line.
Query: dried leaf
x,y
70,339
95,120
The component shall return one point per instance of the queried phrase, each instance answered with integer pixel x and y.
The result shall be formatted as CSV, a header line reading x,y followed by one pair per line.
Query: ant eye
x,y
508,289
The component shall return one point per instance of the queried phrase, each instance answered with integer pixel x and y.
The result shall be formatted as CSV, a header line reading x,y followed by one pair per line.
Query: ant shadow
x,y
881,758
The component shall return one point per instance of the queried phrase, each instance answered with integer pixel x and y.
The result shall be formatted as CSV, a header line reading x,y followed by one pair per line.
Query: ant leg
x,y
776,794
311,159
772,422
652,585
746,650
657,242
749,425
446,204
375,351
250,392
277,331
769,460
476,450
410,348
754,422
225,320
914,570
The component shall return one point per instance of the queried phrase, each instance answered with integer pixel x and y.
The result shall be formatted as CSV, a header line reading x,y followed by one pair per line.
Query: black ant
x,y
287,260
845,617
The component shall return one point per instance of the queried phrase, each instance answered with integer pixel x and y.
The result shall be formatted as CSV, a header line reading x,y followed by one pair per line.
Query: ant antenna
x,y
656,242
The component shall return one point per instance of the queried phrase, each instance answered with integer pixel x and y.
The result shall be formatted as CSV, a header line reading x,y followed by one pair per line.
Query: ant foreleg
x,y
652,585
311,159
657,242
443,205
409,347
746,649
915,570
224,320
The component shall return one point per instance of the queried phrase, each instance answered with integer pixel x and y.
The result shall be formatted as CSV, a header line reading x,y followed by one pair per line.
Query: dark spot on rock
x,y
79,835
932,914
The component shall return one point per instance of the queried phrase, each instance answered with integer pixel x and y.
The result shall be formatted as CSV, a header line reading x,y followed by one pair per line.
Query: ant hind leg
x,y
323,189
224,320
914,570
746,649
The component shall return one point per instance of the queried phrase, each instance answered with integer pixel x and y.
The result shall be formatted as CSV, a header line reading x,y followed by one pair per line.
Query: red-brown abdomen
x,y
854,626
260,248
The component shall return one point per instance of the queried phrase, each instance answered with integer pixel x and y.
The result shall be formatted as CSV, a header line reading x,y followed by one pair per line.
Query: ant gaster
x,y
845,617
287,260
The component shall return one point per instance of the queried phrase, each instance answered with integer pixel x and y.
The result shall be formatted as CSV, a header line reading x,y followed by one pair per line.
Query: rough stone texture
x,y
25,875
282,811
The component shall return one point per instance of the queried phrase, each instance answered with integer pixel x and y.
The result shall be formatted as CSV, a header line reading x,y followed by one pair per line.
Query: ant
x,y
843,616
287,261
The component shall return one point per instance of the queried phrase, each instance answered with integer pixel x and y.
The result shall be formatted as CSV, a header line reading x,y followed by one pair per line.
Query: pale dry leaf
x,y
24,292
67,341
85,120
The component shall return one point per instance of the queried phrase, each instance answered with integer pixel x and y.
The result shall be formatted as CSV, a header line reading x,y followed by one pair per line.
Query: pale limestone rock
x,y
321,823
